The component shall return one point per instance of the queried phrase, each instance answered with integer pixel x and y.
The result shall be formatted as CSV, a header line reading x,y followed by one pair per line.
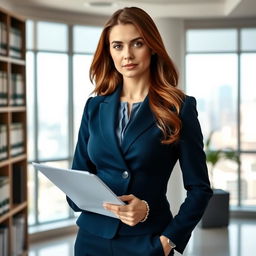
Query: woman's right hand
x,y
132,213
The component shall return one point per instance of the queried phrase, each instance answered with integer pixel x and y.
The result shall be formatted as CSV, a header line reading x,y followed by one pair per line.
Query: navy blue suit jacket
x,y
149,165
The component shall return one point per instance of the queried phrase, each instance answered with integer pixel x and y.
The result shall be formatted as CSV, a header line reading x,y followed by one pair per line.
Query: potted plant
x,y
217,211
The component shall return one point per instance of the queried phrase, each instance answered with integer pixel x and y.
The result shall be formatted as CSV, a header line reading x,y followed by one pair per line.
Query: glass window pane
x,y
247,243
248,102
212,79
29,34
86,38
248,179
30,62
52,204
31,194
234,238
224,176
201,40
52,36
248,39
52,105
82,87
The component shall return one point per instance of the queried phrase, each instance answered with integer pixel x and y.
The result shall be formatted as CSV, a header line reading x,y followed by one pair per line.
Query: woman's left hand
x,y
166,247
131,213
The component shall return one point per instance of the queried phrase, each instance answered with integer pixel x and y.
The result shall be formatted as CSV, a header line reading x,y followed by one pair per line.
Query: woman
x,y
132,134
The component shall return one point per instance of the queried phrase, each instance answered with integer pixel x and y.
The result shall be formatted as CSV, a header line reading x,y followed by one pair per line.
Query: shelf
x,y
12,109
13,131
12,60
18,158
4,163
13,211
13,160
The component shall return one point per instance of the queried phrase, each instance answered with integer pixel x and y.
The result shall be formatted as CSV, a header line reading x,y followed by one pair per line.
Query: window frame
x,y
237,24
71,140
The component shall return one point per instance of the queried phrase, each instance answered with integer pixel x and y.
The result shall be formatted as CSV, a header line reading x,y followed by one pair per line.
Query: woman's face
x,y
129,52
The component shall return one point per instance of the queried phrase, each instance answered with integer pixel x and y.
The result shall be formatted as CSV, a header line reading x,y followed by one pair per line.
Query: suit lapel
x,y
142,121
108,122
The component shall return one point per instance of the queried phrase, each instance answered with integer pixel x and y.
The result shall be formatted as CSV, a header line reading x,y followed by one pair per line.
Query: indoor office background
x,y
216,59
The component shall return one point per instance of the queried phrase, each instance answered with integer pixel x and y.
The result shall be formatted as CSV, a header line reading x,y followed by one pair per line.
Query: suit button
x,y
125,175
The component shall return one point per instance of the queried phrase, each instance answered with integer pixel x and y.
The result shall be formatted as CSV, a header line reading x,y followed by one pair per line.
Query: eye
x,y
117,46
138,44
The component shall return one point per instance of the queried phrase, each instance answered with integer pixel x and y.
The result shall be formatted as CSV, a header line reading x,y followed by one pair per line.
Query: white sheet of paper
x,y
85,189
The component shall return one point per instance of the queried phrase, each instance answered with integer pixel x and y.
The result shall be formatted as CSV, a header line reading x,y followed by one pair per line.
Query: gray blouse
x,y
124,119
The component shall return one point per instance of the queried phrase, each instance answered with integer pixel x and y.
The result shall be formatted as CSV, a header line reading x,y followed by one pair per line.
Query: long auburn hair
x,y
165,98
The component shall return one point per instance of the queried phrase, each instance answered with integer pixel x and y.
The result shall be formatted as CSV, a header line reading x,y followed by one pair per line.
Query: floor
x,y
239,239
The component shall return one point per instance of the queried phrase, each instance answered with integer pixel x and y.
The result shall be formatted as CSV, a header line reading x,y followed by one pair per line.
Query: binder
x,y
85,189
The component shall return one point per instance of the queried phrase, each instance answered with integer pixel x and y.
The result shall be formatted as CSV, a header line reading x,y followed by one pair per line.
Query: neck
x,y
135,90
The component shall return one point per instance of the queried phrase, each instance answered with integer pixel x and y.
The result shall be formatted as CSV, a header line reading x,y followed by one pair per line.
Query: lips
x,y
131,65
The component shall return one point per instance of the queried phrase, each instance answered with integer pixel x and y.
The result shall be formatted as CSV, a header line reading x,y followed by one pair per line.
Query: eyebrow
x,y
119,42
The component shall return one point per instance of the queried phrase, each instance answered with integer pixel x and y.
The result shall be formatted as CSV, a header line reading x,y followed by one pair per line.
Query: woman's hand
x,y
130,214
166,247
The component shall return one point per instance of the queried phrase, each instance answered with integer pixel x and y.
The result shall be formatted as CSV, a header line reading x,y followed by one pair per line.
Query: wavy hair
x,y
165,98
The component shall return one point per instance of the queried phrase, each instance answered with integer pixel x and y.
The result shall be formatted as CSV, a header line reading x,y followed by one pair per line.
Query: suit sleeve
x,y
81,160
195,177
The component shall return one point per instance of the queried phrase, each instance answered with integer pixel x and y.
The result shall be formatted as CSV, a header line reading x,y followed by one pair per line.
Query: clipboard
x,y
85,189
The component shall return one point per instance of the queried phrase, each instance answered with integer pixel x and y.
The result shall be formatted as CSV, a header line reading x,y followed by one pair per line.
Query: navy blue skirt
x,y
88,244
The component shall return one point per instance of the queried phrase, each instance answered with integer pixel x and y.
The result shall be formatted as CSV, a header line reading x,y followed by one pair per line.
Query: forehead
x,y
123,33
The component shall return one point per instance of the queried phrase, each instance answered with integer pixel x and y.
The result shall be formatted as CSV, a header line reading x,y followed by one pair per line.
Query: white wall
x,y
42,13
172,32
6,5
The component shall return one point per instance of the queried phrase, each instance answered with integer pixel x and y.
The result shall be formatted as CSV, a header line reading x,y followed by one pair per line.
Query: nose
x,y
128,53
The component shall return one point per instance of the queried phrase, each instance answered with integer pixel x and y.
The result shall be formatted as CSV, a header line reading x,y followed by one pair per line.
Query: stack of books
x,y
4,241
17,139
18,232
17,90
3,141
3,88
4,195
3,38
15,43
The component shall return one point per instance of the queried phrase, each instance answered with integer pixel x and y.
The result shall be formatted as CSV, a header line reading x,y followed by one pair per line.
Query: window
x,y
55,105
220,74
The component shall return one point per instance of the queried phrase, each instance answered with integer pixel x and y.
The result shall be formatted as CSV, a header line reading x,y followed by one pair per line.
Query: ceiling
x,y
156,8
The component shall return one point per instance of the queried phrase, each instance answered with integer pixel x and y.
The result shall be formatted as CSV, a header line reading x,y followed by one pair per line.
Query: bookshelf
x,y
13,136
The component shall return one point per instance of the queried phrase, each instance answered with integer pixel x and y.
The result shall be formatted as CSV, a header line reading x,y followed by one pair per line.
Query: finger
x,y
111,207
127,197
125,218
127,213
130,223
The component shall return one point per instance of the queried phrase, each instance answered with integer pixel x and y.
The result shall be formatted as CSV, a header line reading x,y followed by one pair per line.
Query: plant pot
x,y
217,211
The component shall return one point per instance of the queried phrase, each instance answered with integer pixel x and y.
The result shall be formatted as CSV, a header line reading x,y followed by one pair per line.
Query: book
x,y
3,141
3,88
17,139
4,194
18,185
18,232
4,233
